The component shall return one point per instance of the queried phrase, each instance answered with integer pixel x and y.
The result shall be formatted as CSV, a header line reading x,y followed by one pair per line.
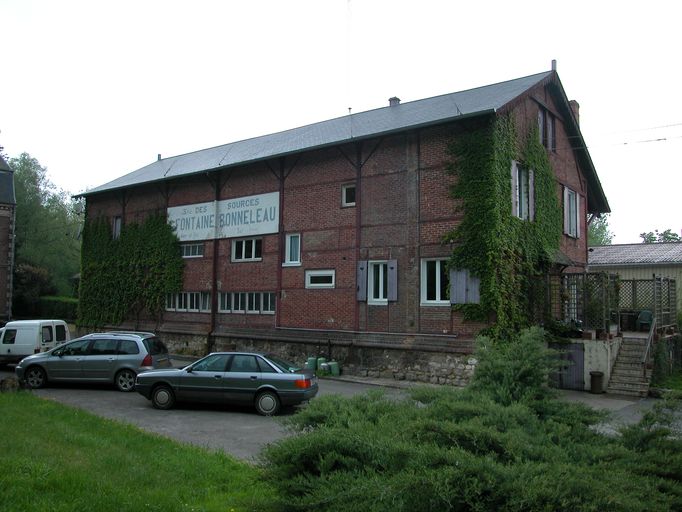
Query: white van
x,y
23,338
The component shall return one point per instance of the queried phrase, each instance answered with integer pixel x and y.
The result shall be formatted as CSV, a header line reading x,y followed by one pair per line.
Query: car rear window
x,y
155,346
128,347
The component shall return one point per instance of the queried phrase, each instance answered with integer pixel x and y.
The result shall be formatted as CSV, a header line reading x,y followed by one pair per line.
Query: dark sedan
x,y
262,380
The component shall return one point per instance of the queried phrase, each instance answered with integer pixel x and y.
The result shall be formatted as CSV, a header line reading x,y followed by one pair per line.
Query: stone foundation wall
x,y
386,362
428,359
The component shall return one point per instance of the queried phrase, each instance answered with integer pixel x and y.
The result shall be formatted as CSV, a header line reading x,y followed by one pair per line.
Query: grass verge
x,y
58,458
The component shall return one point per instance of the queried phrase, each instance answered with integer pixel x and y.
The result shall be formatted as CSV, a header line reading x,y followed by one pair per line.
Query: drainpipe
x,y
358,220
214,270
282,245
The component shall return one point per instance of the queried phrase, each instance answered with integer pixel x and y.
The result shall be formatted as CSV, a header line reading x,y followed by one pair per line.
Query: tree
x,y
660,236
47,227
598,232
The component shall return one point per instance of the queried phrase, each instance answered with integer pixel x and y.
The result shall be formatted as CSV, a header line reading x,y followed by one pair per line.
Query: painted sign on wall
x,y
229,218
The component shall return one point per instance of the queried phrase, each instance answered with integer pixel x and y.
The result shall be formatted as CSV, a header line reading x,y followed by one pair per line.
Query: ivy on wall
x,y
504,251
128,276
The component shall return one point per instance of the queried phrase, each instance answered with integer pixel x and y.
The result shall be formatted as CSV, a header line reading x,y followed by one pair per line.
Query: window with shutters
x,y
571,213
434,282
464,287
523,191
377,281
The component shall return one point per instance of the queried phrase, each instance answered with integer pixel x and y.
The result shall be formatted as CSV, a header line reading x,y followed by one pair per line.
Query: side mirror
x,y
189,369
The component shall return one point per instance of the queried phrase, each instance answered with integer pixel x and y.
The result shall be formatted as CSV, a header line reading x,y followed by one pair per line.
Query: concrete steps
x,y
627,376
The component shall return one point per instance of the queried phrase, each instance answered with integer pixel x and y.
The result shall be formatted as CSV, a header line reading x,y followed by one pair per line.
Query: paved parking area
x,y
241,432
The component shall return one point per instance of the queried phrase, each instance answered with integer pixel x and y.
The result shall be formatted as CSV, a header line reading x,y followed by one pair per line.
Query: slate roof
x,y
373,123
668,253
6,183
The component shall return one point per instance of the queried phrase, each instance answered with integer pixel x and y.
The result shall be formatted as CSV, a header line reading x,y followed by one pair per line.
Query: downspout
x,y
282,244
214,272
358,220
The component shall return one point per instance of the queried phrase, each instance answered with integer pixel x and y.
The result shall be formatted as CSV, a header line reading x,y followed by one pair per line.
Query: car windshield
x,y
282,364
155,346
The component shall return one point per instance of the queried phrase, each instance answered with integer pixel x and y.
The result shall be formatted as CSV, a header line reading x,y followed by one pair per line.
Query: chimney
x,y
158,157
575,108
553,64
392,102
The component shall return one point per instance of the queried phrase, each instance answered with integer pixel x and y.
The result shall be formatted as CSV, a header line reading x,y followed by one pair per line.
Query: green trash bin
x,y
334,368
311,364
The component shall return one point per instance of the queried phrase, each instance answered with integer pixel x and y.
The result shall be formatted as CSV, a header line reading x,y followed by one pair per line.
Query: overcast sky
x,y
95,90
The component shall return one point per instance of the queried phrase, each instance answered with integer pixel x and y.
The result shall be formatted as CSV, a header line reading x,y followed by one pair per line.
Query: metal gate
x,y
571,375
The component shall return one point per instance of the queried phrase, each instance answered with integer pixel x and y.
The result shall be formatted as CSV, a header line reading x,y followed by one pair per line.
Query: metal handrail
x,y
649,342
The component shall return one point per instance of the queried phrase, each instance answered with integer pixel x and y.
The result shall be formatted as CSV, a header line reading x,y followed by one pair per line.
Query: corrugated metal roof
x,y
334,131
635,254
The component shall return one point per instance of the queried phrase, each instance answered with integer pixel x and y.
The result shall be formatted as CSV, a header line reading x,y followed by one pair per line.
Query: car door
x,y
204,381
65,362
100,361
242,379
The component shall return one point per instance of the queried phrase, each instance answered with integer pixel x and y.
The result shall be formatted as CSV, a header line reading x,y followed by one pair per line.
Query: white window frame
x,y
192,250
239,250
224,302
290,261
382,292
309,274
244,302
270,299
116,224
441,272
190,302
239,300
523,191
571,213
254,302
344,193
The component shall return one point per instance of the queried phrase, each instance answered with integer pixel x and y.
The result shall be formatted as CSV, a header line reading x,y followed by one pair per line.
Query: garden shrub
x,y
501,445
64,308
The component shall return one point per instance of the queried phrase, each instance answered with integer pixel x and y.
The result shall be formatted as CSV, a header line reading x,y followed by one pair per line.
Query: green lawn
x,y
58,458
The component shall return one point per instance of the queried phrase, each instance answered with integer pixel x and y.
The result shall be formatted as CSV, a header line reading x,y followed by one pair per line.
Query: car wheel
x,y
268,403
163,398
125,380
35,377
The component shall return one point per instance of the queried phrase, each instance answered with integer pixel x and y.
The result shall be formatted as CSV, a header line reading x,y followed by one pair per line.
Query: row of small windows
x,y
228,302
378,285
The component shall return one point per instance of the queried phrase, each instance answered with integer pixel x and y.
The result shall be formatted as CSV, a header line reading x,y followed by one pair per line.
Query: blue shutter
x,y
361,280
392,280
464,287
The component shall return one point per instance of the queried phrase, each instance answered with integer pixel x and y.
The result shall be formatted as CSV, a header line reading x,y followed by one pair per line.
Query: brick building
x,y
7,216
327,239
